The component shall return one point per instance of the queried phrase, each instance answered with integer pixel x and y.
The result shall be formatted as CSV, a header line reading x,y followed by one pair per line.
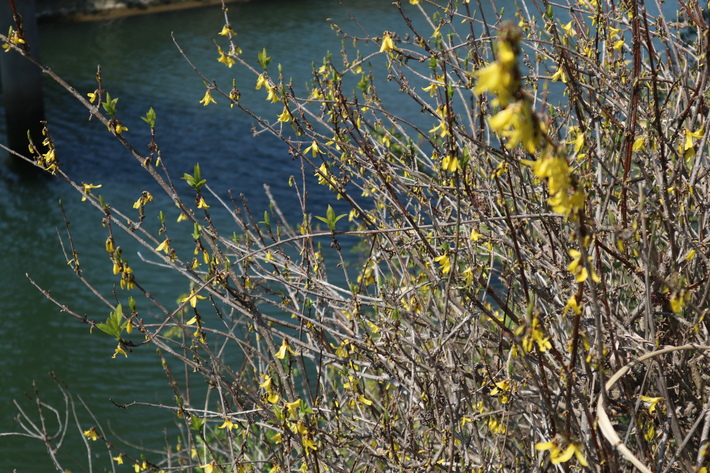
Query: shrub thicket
x,y
533,286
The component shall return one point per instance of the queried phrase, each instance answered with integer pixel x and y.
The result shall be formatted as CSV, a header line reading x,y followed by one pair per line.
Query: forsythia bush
x,y
531,289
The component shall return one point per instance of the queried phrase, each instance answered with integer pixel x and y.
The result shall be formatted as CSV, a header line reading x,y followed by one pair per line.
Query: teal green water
x,y
142,67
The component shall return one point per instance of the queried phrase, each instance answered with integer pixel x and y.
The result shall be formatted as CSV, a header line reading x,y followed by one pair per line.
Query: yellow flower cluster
x,y
519,125
687,149
142,200
120,266
565,199
435,84
450,163
516,121
387,44
442,129
678,300
578,268
91,434
502,389
191,299
501,77
223,58
13,37
268,384
651,402
535,335
561,455
47,161
271,94
444,263
285,116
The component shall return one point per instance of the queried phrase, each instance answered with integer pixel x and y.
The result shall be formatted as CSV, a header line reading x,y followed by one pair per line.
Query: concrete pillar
x,y
21,80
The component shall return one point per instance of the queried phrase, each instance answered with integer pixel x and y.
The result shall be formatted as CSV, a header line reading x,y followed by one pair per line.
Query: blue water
x,y
142,67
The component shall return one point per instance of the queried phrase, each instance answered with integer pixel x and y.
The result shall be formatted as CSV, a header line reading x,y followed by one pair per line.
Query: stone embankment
x,y
82,10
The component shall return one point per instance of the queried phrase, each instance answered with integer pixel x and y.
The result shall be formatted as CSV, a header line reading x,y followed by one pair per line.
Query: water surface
x,y
140,65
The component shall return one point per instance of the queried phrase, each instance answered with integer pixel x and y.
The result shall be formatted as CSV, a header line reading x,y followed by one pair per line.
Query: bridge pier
x,y
21,80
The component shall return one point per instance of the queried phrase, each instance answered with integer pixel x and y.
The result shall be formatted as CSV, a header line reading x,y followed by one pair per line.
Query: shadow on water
x,y
21,171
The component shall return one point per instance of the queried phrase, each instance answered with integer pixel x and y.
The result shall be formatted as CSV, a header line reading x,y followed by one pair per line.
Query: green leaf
x,y
433,64
110,105
330,218
106,328
113,325
197,171
196,231
264,60
196,423
150,117
364,84
195,180
550,13
279,414
267,219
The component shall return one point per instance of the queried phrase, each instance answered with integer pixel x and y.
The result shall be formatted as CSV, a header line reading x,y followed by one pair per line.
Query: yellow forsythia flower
x,y
209,468
266,384
207,99
281,354
578,268
91,434
293,408
223,58
86,188
557,455
314,149
651,402
192,299
387,44
499,77
285,116
450,163
227,30
164,246
228,424
364,400
518,124
445,263
559,75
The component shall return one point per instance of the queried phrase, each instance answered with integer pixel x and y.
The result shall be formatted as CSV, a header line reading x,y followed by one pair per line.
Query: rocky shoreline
x,y
91,10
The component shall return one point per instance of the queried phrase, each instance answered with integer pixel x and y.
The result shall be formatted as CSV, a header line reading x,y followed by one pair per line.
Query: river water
x,y
142,67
